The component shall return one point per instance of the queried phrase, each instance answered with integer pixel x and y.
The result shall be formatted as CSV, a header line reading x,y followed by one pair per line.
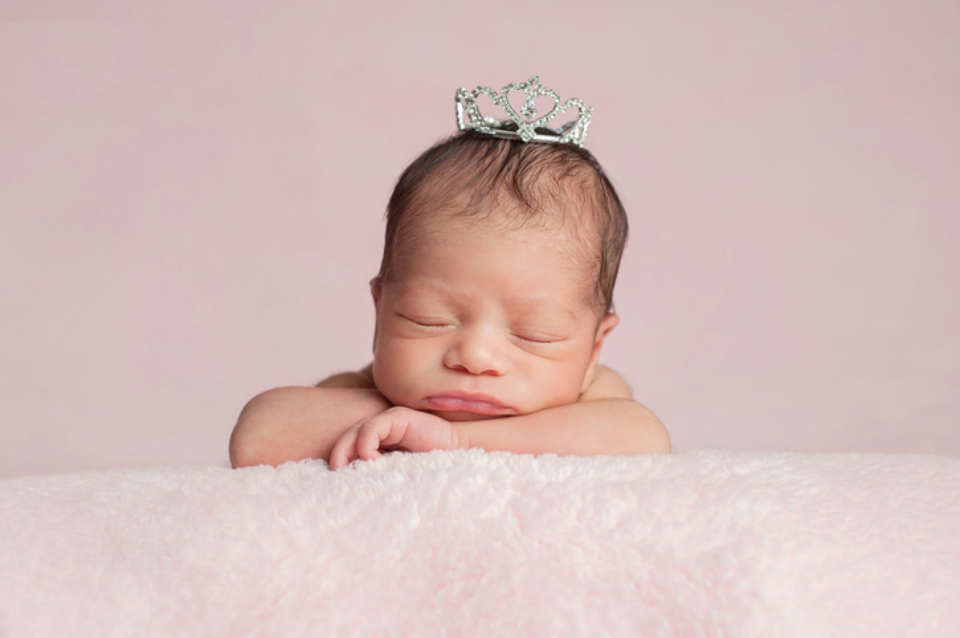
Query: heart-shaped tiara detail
x,y
529,127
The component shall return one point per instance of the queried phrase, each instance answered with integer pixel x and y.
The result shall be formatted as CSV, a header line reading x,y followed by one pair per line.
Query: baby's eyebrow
x,y
543,304
534,304
425,288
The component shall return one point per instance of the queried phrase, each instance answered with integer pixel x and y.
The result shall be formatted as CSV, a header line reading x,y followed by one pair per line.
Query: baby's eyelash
x,y
431,325
426,323
539,342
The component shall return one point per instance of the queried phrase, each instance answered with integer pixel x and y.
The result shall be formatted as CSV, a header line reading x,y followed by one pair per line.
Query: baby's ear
x,y
376,286
608,323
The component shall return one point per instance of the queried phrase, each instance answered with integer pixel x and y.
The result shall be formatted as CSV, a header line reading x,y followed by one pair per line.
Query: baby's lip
x,y
457,401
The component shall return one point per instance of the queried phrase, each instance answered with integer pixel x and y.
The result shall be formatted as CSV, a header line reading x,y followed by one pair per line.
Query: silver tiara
x,y
573,132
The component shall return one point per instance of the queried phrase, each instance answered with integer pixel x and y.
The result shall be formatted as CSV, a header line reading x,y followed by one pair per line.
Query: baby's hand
x,y
398,428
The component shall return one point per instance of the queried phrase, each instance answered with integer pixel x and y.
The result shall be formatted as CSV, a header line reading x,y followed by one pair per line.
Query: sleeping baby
x,y
493,301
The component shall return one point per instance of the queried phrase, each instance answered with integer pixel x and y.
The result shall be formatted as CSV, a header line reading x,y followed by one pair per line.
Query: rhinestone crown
x,y
530,128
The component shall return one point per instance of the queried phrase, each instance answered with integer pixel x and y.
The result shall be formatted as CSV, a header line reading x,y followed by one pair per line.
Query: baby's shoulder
x,y
606,384
360,380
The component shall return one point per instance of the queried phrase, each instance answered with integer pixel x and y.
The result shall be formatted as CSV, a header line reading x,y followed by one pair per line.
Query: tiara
x,y
529,127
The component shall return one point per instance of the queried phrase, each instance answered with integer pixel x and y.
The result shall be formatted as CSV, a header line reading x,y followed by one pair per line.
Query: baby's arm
x,y
600,426
291,424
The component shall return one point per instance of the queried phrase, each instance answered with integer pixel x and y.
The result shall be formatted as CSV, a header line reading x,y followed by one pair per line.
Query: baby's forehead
x,y
498,223
578,256
501,216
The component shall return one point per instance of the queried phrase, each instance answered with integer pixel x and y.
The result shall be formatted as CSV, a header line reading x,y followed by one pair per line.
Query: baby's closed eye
x,y
537,337
435,323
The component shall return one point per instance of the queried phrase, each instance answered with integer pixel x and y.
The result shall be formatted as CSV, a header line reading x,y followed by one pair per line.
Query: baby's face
x,y
479,322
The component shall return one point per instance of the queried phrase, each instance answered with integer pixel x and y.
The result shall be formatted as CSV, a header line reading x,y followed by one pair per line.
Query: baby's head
x,y
554,187
495,289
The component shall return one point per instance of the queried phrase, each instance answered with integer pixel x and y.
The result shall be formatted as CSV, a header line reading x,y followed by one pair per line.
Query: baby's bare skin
x,y
296,423
486,337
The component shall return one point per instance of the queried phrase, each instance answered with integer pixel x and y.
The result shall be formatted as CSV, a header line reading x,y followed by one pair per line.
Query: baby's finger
x,y
368,442
345,449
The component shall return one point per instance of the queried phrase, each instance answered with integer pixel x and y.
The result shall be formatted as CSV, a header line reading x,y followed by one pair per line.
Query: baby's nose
x,y
478,351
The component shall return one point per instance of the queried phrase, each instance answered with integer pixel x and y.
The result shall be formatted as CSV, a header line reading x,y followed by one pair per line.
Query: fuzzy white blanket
x,y
490,544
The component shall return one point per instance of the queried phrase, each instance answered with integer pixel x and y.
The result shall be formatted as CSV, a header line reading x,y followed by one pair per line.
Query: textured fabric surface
x,y
494,544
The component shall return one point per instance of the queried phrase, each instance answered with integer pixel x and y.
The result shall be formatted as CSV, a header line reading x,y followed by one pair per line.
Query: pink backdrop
x,y
191,200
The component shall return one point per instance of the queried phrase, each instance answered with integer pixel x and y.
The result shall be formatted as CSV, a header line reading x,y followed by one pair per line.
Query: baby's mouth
x,y
466,402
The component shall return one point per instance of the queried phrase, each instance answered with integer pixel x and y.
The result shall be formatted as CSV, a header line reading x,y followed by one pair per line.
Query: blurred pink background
x,y
192,197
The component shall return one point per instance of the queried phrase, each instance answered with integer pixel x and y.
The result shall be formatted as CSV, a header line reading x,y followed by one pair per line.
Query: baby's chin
x,y
466,416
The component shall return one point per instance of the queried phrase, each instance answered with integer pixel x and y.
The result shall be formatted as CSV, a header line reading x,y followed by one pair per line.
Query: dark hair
x,y
485,168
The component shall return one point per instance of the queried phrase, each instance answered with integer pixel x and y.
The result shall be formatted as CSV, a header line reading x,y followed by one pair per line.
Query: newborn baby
x,y
493,301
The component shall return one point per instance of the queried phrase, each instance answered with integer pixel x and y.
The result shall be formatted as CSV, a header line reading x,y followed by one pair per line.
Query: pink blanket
x,y
493,544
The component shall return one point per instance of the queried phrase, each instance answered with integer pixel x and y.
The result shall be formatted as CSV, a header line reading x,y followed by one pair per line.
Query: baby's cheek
x,y
562,385
395,373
